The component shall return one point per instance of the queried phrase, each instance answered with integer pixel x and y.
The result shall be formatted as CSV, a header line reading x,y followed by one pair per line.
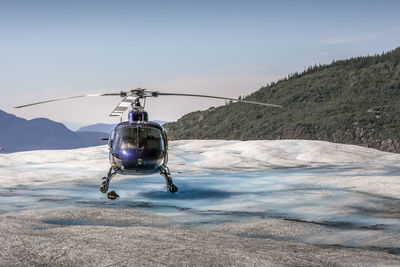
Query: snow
x,y
257,155
347,194
46,166
361,168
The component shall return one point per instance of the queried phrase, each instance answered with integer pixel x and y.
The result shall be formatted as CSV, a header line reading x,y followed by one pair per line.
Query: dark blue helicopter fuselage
x,y
138,147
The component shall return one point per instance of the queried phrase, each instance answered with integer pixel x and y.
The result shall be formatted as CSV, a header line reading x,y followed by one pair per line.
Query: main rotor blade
x,y
219,97
65,98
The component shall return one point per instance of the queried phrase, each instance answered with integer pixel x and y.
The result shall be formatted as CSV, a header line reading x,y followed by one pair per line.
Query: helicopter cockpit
x,y
138,138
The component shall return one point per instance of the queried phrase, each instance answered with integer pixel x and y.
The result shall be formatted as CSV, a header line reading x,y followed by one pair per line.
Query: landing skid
x,y
105,181
164,171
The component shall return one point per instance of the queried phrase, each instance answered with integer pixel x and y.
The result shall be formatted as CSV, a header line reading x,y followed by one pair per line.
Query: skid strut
x,y
164,171
105,181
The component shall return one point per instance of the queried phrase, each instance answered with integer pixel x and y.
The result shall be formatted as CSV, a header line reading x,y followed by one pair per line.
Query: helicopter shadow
x,y
190,194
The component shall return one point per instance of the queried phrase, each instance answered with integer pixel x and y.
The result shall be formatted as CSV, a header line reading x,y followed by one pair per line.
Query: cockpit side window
x,y
111,139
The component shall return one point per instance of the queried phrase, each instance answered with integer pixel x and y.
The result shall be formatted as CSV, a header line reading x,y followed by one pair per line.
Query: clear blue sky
x,y
60,48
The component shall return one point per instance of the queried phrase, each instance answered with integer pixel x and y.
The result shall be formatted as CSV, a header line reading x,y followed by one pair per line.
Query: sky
x,y
53,49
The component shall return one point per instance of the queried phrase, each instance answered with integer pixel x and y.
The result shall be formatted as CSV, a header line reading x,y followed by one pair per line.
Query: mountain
x,y
353,101
18,134
104,128
99,127
72,125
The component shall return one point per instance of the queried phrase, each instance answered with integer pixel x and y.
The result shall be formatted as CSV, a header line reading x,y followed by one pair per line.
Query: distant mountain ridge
x,y
99,127
354,101
105,128
18,134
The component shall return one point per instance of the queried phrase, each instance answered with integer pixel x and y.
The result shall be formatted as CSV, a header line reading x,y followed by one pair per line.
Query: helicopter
x,y
139,146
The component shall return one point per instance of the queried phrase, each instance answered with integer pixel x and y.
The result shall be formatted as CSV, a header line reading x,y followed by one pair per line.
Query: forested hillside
x,y
354,101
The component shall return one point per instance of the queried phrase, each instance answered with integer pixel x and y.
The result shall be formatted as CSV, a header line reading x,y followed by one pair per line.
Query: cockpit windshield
x,y
138,137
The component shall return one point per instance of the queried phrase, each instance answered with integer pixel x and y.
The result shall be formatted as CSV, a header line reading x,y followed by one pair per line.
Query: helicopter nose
x,y
133,163
139,160
132,159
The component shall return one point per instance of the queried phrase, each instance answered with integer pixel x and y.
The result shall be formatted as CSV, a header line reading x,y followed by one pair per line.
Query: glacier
x,y
314,192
